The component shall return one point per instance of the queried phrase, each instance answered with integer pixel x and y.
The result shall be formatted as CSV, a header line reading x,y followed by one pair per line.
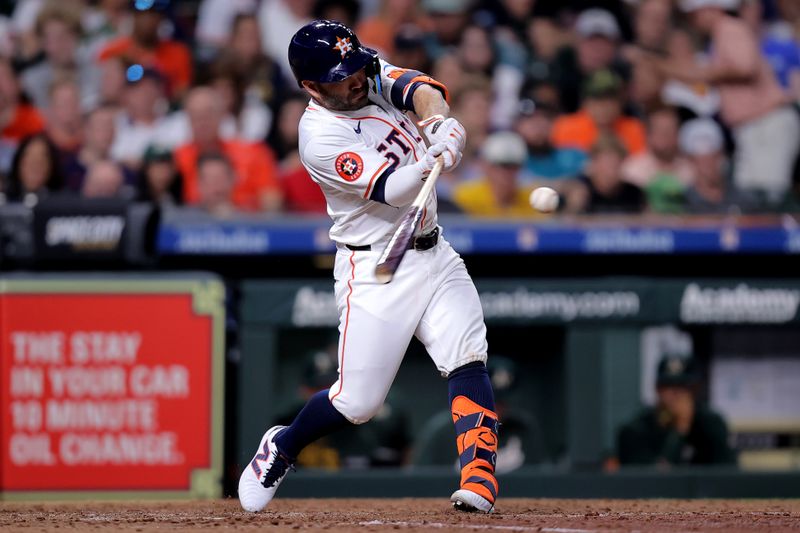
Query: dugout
x,y
586,350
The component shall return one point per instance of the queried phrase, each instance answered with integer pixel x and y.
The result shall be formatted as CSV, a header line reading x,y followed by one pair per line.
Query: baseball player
x,y
360,146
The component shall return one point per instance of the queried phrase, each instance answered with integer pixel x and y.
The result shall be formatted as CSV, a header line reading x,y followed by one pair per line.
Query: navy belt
x,y
420,243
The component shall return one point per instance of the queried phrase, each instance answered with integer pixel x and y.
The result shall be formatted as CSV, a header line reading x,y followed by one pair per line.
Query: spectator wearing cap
x,y
142,119
499,193
711,192
601,114
534,124
256,186
597,49
144,46
679,429
58,31
382,29
662,171
753,103
606,191
448,18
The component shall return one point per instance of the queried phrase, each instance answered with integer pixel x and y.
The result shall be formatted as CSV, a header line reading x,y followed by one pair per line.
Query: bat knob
x,y
383,274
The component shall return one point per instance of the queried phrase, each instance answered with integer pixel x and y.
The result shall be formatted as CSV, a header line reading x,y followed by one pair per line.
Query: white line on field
x,y
440,525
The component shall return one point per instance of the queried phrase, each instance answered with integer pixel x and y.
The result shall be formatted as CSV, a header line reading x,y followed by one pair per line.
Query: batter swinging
x,y
369,159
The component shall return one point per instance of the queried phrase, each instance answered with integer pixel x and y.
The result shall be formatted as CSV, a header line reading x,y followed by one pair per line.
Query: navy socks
x,y
317,419
472,381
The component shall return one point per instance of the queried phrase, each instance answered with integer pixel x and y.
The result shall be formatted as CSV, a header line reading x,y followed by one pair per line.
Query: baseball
x,y
544,199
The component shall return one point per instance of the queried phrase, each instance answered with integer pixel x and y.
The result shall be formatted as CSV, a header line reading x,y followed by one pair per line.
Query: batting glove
x,y
450,156
439,129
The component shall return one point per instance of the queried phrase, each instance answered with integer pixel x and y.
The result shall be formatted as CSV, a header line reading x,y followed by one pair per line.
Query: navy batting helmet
x,y
328,51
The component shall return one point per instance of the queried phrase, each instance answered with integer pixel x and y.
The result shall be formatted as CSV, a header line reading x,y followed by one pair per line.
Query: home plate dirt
x,y
406,515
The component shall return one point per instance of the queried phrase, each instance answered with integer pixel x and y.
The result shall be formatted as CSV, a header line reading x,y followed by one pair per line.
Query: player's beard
x,y
349,103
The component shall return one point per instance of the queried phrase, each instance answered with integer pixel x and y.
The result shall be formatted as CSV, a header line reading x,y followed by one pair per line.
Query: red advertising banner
x,y
105,391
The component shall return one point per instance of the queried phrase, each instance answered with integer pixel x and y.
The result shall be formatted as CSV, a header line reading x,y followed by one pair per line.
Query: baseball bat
x,y
401,239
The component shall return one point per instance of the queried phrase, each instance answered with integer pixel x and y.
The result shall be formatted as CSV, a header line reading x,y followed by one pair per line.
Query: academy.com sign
x,y
561,305
738,305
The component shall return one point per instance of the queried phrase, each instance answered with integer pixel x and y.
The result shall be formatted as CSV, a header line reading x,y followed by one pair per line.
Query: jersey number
x,y
393,138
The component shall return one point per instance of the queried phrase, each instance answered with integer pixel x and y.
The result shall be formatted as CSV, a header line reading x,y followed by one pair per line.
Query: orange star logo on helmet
x,y
343,45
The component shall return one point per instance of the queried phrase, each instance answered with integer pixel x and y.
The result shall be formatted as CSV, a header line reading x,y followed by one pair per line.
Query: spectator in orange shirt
x,y
378,31
145,47
256,186
601,114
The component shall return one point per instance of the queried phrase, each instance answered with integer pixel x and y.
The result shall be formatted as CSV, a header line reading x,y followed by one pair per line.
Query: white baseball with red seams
x,y
431,296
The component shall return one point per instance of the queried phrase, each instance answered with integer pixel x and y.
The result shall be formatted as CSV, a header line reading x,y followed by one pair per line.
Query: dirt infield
x,y
521,515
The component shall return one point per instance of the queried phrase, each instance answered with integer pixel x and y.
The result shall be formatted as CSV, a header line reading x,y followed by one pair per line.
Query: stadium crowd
x,y
664,106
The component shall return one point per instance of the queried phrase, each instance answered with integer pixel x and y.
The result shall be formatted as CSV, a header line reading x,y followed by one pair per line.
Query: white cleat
x,y
260,479
468,501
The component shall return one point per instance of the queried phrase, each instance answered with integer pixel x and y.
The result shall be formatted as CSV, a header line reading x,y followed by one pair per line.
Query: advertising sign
x,y
111,385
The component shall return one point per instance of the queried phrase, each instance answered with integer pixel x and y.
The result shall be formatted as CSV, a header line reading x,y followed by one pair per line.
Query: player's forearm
x,y
402,185
429,101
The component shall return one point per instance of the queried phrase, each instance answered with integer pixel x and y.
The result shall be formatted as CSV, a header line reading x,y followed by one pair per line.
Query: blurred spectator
x,y
18,118
545,161
301,194
279,20
215,23
601,114
781,48
35,171
249,118
256,186
64,123
140,123
262,75
159,181
409,49
753,104
380,30
499,192
596,49
679,430
111,83
144,46
215,181
478,55
607,192
97,141
699,99
711,193
104,179
448,18
472,107
344,11
652,24
108,20
662,171
58,30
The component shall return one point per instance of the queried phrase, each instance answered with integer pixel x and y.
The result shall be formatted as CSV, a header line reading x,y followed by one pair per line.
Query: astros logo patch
x,y
343,45
349,166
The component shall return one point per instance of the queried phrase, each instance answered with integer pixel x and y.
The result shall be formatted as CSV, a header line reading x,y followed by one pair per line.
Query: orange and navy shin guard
x,y
476,438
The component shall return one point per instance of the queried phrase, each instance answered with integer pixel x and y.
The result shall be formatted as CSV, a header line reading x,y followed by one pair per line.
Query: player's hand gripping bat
x,y
401,239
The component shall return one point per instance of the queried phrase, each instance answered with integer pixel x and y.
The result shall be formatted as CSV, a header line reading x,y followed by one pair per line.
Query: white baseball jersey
x,y
350,153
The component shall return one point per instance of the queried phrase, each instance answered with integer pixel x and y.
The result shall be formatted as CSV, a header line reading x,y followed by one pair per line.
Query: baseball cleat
x,y
260,479
469,502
